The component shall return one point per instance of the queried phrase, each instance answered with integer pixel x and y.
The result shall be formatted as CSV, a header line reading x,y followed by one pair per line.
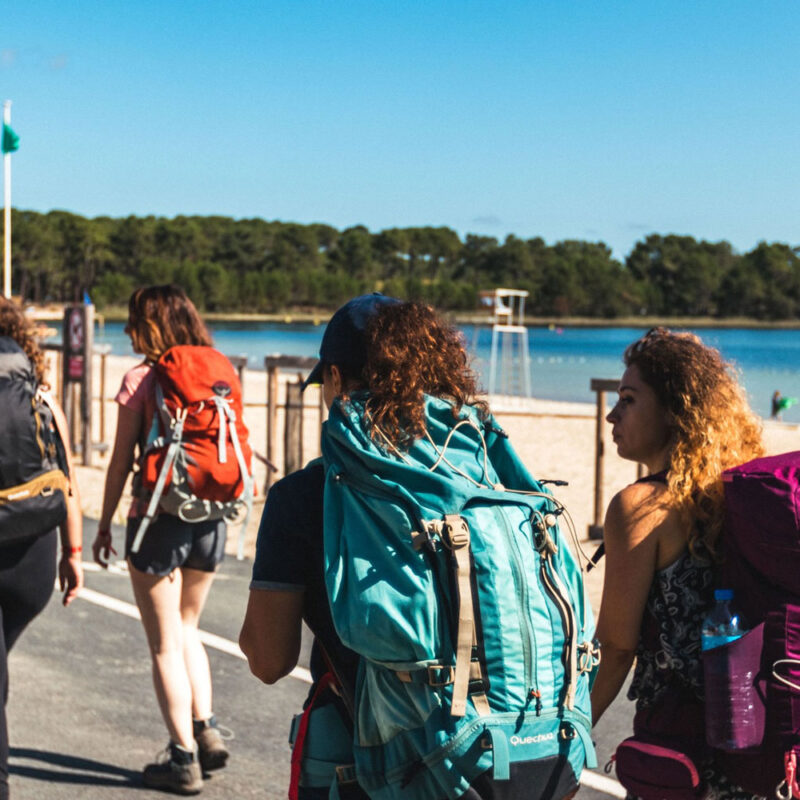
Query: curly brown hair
x,y
15,325
712,426
411,352
160,317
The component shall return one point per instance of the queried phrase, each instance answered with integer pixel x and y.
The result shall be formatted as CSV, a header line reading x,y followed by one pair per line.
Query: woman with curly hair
x,y
682,414
386,363
28,565
174,568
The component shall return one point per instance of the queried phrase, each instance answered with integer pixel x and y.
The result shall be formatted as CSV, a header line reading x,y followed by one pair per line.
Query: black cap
x,y
343,341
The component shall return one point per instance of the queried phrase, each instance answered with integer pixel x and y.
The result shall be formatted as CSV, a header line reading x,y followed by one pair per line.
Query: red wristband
x,y
73,551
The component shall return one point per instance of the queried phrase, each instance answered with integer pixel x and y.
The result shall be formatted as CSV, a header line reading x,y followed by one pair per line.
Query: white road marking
x,y
114,567
588,778
602,784
209,639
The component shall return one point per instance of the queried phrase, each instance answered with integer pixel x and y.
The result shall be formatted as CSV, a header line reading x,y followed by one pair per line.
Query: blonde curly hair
x,y
711,424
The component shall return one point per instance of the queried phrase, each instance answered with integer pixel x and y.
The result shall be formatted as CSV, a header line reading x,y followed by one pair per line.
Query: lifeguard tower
x,y
509,354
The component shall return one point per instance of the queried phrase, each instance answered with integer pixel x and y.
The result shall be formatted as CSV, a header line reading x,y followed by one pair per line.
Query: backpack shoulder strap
x,y
158,490
46,398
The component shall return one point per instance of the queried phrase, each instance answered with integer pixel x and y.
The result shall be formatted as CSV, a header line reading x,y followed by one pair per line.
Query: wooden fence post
x,y
272,418
273,364
293,427
600,386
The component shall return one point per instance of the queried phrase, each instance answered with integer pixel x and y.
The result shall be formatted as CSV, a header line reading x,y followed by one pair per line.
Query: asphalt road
x,y
83,717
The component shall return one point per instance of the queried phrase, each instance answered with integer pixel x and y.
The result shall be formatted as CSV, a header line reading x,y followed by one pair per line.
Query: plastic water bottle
x,y
721,625
732,716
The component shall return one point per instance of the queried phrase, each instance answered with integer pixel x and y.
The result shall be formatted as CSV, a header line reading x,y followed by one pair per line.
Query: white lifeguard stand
x,y
509,342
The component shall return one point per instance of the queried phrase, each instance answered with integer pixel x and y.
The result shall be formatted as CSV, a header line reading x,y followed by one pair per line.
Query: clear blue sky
x,y
585,120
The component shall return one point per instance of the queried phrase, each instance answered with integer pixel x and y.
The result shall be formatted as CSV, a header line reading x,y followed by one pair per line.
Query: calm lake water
x,y
562,360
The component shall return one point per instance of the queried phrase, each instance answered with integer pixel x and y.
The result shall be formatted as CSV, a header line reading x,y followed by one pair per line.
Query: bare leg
x,y
193,597
159,602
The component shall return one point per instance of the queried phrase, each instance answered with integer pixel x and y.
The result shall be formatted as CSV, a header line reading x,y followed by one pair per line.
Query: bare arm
x,y
634,521
270,635
70,569
129,425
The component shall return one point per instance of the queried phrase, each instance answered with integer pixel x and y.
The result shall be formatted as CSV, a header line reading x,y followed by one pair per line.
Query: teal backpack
x,y
447,572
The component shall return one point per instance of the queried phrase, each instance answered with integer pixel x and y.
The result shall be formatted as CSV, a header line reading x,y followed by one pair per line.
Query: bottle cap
x,y
723,594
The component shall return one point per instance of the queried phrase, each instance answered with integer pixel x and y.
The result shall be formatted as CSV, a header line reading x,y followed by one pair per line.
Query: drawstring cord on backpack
x,y
794,662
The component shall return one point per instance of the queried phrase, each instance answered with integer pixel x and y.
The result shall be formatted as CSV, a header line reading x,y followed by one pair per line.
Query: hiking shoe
x,y
177,770
210,745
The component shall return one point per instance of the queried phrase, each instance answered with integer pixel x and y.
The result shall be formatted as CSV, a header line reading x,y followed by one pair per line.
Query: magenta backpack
x,y
753,683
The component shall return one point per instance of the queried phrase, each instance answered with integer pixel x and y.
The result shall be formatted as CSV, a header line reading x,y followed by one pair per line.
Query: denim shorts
x,y
169,543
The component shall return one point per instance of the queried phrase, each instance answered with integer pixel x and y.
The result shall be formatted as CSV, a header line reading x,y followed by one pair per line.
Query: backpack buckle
x,y
455,532
345,774
426,538
567,731
434,677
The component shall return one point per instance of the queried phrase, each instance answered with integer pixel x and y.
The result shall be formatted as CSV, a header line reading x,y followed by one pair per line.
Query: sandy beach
x,y
555,440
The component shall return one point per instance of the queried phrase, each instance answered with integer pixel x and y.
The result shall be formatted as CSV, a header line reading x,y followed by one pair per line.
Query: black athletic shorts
x,y
170,543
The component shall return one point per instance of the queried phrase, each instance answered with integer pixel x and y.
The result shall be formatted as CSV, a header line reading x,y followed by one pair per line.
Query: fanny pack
x,y
661,761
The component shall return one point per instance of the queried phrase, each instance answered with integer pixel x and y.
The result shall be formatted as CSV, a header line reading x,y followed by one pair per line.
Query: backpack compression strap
x,y
226,413
454,533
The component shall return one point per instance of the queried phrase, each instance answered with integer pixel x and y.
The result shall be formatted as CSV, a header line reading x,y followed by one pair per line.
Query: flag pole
x,y
7,209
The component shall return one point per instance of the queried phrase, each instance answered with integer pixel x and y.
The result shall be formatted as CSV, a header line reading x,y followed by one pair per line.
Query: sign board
x,y
78,339
74,341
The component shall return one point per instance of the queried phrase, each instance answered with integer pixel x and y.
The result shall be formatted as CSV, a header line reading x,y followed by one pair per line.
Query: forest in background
x,y
253,265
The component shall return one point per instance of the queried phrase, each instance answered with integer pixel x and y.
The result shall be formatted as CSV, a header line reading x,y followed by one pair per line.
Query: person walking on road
x,y
28,559
174,568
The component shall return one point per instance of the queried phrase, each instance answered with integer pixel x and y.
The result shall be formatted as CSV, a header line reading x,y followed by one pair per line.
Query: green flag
x,y
10,139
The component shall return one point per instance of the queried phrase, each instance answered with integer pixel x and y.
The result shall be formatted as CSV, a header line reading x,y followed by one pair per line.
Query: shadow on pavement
x,y
76,770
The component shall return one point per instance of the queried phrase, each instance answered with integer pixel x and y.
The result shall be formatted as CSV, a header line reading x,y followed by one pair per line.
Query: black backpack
x,y
34,480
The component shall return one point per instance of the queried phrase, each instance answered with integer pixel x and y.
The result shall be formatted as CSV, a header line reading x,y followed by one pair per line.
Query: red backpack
x,y
197,463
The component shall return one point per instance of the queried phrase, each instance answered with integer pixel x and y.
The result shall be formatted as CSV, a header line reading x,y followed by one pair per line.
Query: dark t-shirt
x,y
289,557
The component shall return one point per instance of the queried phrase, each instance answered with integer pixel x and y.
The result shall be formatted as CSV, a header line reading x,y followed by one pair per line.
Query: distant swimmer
x,y
780,404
